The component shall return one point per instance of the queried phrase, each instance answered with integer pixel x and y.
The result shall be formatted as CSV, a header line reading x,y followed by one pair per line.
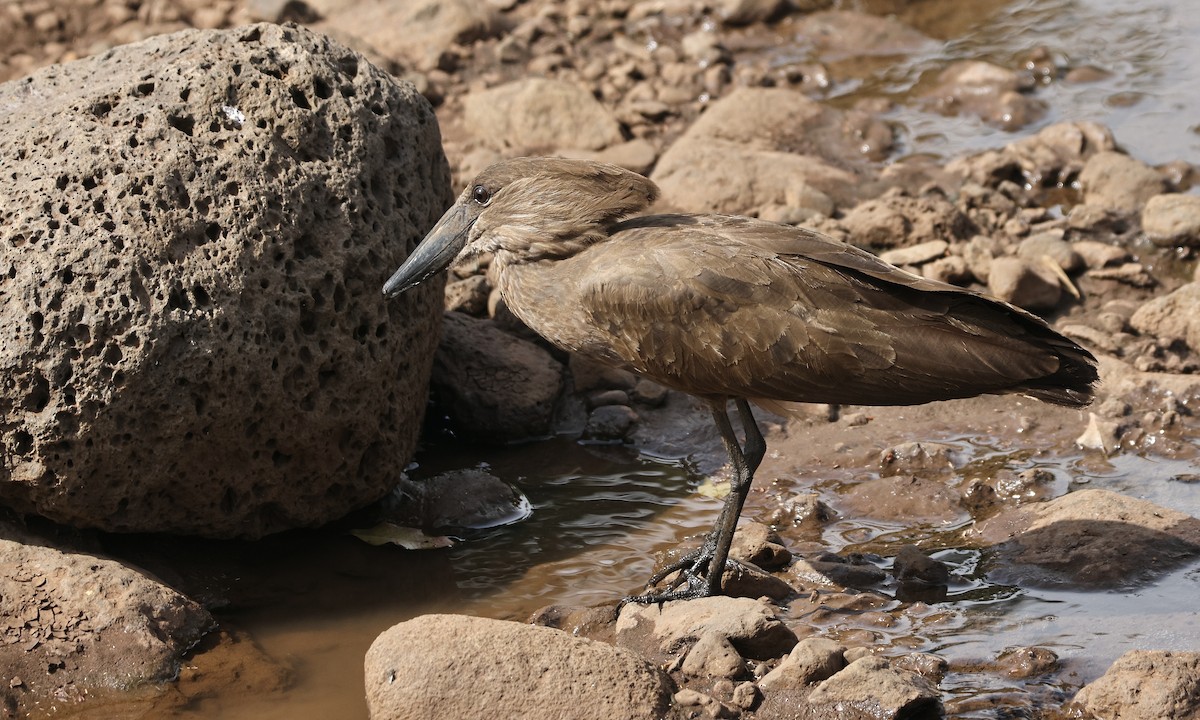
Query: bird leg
x,y
702,568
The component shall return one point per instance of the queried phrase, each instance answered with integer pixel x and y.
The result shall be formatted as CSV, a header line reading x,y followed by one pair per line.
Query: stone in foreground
x,y
455,666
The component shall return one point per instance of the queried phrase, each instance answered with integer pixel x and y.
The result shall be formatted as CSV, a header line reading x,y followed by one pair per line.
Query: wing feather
x,y
732,307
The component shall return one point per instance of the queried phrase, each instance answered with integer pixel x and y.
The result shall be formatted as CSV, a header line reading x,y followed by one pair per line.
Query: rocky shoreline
x,y
195,230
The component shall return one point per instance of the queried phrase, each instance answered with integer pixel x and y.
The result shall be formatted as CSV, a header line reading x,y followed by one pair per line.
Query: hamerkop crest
x,y
734,309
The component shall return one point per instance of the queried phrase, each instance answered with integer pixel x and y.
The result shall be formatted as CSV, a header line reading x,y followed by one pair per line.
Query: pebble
x,y
1172,219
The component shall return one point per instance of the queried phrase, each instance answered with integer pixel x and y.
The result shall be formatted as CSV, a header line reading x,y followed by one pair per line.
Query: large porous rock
x,y
1090,539
539,114
496,386
1146,685
453,666
1115,181
758,147
74,623
1174,317
194,233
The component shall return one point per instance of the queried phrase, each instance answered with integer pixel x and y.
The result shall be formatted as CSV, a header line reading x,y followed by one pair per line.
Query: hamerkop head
x,y
734,309
532,208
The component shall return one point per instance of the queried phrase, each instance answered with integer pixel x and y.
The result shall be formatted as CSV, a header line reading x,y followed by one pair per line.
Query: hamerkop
x,y
733,309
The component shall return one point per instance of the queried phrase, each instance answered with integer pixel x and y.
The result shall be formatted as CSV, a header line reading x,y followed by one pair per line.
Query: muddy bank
x,y
892,532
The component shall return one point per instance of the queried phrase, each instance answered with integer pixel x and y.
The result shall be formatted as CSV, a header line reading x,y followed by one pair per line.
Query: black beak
x,y
435,253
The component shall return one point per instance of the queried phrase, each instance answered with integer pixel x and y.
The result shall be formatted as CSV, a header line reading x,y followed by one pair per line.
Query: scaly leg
x,y
702,568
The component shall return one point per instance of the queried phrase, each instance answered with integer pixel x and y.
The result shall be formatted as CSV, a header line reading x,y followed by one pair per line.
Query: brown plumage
x,y
730,308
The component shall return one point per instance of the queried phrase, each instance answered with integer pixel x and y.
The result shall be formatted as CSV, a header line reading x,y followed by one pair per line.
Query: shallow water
x,y
1147,47
314,601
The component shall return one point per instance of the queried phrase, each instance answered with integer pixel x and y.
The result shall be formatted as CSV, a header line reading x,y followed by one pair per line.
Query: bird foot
x,y
694,579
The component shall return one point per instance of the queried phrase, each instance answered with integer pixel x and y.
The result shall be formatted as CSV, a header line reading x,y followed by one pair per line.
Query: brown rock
x,y
536,113
751,148
430,27
871,688
1051,244
840,34
1146,685
1115,180
759,544
468,498
194,338
1027,662
1172,219
834,571
79,622
918,254
713,656
747,12
1097,254
455,666
496,386
812,660
749,625
911,565
993,93
1026,284
902,221
1052,156
1092,539
1172,317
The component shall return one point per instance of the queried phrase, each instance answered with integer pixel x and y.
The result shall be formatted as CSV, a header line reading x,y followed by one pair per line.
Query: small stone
x,y
713,656
1113,180
913,566
746,695
879,690
750,625
916,254
711,707
610,423
469,296
812,660
1097,254
952,269
1172,219
927,665
756,543
1173,317
648,393
1025,284
607,397
748,581
1051,244
910,457
1027,662
834,571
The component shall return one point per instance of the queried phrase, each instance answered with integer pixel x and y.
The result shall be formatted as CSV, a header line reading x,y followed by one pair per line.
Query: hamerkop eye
x,y
735,309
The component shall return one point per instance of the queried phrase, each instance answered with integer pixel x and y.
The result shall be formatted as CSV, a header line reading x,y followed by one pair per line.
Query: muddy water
x,y
1146,48
314,601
